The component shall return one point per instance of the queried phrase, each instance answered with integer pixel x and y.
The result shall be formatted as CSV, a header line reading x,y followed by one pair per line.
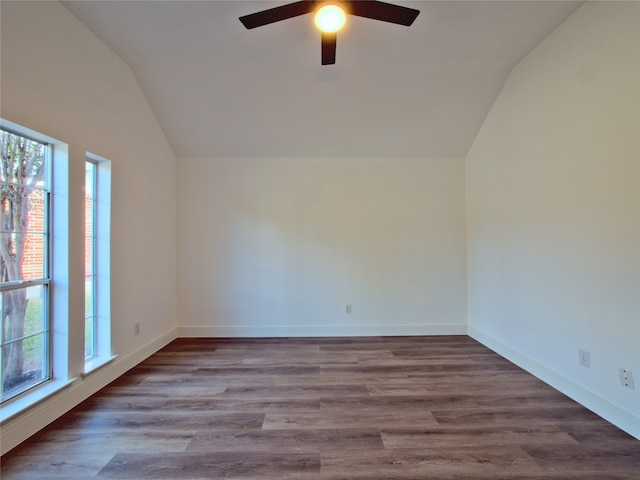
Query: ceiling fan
x,y
331,16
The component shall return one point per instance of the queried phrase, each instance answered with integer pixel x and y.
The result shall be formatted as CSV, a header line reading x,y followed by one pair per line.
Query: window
x,y
90,318
24,264
97,321
45,340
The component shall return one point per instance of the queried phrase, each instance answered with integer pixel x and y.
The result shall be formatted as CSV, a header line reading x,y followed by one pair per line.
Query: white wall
x,y
553,212
60,80
274,247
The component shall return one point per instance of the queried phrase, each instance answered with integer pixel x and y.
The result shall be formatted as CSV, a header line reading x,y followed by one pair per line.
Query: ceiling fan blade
x,y
385,12
277,14
329,48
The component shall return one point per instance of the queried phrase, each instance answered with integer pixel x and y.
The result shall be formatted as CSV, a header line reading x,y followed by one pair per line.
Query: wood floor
x,y
327,408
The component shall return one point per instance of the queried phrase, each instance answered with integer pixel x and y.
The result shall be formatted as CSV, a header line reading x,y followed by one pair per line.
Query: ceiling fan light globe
x,y
330,18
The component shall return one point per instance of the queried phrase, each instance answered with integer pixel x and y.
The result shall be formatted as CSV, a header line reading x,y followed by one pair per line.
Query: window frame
x,y
93,260
62,358
45,281
102,264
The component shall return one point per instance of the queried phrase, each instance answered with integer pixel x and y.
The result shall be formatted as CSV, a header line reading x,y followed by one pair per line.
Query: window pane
x,y
88,256
90,173
88,338
22,233
89,262
88,297
89,316
33,265
24,333
23,312
22,208
88,216
35,316
23,364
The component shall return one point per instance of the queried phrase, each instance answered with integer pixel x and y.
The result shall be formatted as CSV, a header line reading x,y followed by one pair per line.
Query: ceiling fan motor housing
x,y
375,10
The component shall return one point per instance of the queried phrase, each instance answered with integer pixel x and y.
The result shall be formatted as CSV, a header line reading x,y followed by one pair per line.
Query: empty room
x,y
239,243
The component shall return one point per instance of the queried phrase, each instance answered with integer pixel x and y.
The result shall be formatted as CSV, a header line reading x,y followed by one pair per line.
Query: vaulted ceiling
x,y
219,90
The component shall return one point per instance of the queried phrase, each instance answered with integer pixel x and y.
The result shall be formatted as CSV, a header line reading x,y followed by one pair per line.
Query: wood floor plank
x,y
460,462
306,390
162,386
468,437
455,384
352,419
154,420
54,467
230,465
291,440
553,414
587,458
369,408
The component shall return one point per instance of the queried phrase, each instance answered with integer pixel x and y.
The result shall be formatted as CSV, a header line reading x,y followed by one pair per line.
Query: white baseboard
x,y
243,331
622,419
33,419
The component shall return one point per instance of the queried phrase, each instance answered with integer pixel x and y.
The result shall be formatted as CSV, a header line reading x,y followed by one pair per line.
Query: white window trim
x,y
58,274
102,264
30,399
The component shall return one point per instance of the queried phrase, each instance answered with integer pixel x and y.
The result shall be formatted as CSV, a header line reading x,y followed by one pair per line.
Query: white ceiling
x,y
220,90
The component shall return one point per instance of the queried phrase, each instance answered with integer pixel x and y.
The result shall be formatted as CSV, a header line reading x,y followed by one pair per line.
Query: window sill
x,y
29,400
96,363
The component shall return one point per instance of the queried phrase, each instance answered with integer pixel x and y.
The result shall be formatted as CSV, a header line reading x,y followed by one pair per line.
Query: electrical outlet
x,y
347,309
136,328
584,358
626,378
